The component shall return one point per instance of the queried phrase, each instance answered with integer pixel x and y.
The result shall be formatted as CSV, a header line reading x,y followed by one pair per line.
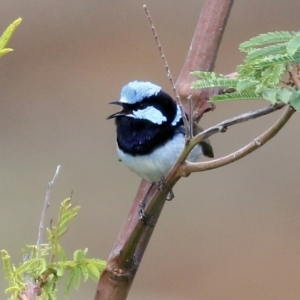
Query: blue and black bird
x,y
150,131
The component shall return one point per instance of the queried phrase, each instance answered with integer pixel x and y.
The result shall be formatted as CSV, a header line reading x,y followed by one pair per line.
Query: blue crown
x,y
136,91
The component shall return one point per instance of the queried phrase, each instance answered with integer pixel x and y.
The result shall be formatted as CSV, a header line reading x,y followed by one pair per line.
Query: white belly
x,y
156,165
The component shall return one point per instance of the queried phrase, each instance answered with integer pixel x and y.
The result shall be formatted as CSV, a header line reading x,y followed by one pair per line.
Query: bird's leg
x,y
146,220
170,196
161,184
160,187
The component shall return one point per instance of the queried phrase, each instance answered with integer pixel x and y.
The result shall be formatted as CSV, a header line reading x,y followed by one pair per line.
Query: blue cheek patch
x,y
177,117
151,114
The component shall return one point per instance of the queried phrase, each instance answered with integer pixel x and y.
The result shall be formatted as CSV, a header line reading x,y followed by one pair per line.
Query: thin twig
x,y
222,127
46,205
190,100
166,66
189,167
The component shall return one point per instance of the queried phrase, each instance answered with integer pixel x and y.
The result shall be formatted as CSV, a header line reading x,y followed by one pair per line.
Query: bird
x,y
150,132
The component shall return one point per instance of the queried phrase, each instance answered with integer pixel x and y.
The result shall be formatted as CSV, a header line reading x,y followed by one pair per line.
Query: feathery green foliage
x,y
6,36
267,38
45,265
270,59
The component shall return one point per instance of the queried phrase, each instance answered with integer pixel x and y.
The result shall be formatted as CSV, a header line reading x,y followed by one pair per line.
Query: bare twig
x,y
188,167
222,127
190,100
46,205
166,66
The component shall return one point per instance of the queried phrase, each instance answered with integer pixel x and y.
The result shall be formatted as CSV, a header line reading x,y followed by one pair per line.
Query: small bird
x,y
150,131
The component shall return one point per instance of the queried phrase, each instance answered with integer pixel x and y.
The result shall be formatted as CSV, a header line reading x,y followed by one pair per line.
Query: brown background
x,y
232,233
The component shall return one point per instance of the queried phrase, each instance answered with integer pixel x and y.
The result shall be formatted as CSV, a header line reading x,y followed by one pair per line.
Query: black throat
x,y
141,136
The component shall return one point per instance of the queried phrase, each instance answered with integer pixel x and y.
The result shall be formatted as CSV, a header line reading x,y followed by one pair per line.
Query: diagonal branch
x,y
202,54
127,253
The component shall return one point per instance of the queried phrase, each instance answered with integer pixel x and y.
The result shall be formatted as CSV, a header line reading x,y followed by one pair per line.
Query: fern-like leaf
x,y
7,34
266,51
205,75
217,82
245,84
235,96
7,266
93,272
267,38
271,76
295,99
274,59
293,45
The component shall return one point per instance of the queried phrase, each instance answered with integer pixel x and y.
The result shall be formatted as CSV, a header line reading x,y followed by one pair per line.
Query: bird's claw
x,y
146,220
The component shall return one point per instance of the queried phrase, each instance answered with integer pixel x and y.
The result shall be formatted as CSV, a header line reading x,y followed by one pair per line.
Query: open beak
x,y
117,114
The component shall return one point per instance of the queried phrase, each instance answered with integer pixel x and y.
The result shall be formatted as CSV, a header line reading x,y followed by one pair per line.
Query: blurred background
x,y
230,233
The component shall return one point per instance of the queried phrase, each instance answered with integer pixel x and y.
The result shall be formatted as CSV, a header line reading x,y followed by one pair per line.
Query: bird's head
x,y
147,101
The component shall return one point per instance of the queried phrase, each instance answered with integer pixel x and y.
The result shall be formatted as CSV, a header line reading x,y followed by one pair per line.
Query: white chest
x,y
156,165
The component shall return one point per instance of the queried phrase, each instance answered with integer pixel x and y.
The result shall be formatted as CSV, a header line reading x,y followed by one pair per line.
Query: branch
x,y
222,127
202,54
187,167
32,289
46,205
127,253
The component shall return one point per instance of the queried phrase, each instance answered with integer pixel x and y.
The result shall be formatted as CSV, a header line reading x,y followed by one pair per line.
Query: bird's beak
x,y
117,114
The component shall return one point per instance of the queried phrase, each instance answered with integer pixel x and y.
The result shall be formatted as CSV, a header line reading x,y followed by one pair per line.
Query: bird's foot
x,y
145,219
161,186
170,196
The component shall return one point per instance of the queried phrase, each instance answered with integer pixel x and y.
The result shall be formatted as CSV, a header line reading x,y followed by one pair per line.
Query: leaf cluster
x,y
265,74
6,36
43,266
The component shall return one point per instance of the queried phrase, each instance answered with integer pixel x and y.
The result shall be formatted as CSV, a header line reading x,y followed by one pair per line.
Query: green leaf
x,y
5,51
70,282
275,59
7,266
61,253
79,255
270,95
93,271
271,76
49,291
7,34
293,45
77,277
266,51
218,82
295,99
246,84
284,95
12,289
59,271
84,272
267,38
205,75
235,96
